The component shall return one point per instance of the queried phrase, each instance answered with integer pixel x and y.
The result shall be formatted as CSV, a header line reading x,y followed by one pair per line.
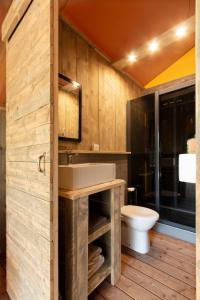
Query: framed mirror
x,y
69,109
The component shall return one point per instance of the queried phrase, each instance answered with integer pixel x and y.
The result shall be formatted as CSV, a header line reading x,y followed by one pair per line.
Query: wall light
x,y
181,31
187,168
153,46
132,57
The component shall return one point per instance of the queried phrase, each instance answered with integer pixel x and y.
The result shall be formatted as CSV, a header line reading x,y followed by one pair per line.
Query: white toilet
x,y
136,223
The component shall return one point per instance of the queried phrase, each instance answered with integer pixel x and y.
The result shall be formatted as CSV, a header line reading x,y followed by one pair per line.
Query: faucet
x,y
70,155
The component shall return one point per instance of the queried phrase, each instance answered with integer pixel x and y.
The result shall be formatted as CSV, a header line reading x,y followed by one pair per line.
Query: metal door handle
x,y
40,159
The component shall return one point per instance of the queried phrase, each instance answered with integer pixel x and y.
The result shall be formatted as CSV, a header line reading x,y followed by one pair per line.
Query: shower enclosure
x,y
158,130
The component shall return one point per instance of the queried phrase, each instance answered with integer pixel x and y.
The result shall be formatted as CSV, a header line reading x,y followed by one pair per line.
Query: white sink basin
x,y
77,176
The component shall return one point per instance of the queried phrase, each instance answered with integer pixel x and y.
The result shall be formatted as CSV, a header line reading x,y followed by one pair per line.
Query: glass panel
x,y
141,137
177,126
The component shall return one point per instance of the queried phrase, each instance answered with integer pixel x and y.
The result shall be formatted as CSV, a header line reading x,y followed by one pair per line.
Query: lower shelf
x,y
99,277
99,232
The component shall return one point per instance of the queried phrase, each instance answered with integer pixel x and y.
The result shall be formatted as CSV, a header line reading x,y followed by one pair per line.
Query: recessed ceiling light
x,y
181,31
153,46
132,57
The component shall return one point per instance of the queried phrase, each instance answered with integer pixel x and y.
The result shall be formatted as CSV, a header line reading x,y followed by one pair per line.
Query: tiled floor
x,y
166,272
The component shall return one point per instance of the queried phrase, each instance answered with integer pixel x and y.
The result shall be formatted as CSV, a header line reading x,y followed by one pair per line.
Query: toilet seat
x,y
133,211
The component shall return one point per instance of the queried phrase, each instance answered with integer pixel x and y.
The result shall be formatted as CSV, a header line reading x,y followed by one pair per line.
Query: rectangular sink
x,y
77,176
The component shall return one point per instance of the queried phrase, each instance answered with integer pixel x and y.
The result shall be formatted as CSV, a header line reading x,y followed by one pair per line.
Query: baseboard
x,y
178,233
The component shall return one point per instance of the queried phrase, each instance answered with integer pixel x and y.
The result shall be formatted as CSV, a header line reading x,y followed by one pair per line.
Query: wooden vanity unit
x,y
75,236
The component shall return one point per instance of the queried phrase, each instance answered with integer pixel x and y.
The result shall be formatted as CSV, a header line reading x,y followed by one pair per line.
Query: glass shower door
x,y
177,126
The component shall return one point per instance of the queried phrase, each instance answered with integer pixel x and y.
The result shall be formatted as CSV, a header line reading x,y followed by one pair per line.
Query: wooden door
x,y
29,31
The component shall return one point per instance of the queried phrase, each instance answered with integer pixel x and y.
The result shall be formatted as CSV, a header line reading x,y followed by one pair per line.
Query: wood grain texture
x,y
116,235
176,282
2,73
73,248
98,277
82,246
30,212
74,214
73,195
158,276
100,231
140,280
105,93
156,288
107,291
14,15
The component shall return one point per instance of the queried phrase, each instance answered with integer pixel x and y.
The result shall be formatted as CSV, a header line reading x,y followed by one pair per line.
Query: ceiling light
x,y
153,46
75,84
132,57
181,31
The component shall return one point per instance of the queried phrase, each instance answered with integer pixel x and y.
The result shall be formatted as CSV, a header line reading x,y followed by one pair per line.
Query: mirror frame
x,y
63,138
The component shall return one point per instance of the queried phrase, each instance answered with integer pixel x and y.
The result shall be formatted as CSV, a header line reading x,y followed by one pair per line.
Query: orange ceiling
x,y
117,27
4,5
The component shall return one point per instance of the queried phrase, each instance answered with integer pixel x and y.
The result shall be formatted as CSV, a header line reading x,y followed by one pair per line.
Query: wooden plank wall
x,y
2,182
105,93
29,125
2,148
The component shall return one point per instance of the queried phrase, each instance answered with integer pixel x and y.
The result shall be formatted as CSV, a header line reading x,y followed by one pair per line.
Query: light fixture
x,y
187,168
153,46
132,57
181,31
75,84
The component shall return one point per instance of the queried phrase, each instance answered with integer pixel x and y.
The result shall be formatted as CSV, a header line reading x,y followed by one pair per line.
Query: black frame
x,y
61,76
158,175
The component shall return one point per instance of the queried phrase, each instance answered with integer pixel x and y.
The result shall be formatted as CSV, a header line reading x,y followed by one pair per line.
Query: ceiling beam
x,y
165,39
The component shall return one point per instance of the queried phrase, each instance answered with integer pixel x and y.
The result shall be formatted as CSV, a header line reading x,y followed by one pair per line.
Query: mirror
x,y
69,109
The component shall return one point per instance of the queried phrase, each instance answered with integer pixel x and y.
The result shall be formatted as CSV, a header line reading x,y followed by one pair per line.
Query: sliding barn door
x,y
31,201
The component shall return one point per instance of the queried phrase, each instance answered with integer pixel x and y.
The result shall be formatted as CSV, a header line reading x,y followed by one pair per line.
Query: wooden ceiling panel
x,y
117,27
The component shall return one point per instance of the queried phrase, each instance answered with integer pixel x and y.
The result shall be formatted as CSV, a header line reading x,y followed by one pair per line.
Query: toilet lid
x,y
138,211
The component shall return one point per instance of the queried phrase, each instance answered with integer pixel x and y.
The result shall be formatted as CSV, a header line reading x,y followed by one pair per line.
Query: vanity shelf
x,y
75,209
99,277
99,232
65,151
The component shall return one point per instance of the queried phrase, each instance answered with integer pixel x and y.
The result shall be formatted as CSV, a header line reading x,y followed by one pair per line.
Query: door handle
x,y
41,160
